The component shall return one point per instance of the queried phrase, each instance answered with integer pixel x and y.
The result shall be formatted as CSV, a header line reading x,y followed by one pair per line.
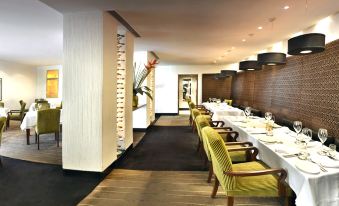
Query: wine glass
x,y
322,135
297,125
268,116
307,136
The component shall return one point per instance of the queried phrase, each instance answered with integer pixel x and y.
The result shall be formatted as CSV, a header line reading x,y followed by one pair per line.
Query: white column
x,y
89,97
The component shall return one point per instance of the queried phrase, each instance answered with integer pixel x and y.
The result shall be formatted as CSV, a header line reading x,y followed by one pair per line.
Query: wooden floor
x,y
161,188
14,146
179,120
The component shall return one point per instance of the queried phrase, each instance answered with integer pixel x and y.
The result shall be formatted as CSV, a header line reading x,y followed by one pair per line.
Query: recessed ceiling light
x,y
215,61
286,7
306,52
219,58
243,40
233,47
259,27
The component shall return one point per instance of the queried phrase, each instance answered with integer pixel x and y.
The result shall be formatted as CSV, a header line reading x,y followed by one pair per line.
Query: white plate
x,y
267,139
307,167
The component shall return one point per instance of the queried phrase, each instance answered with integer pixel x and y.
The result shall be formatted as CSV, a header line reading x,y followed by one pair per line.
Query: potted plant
x,y
139,77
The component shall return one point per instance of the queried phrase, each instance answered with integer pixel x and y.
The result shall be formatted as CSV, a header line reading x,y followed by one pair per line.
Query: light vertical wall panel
x,y
86,131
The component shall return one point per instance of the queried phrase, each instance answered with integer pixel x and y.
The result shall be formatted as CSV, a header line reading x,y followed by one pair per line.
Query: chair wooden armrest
x,y
229,136
281,177
250,156
217,123
239,143
14,111
223,128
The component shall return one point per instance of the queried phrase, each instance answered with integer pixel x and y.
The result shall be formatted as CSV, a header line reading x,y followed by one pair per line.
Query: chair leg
x,y
36,138
57,138
230,201
215,188
38,142
0,162
210,173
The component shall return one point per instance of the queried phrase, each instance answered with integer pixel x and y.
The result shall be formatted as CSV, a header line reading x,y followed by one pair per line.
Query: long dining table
x,y
222,109
313,187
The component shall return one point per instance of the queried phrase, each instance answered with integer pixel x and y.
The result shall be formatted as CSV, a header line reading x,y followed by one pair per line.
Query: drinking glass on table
x,y
332,151
268,116
247,111
297,125
322,135
307,136
269,126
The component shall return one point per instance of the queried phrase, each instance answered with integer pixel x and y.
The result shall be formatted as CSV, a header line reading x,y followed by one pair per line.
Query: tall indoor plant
x,y
139,77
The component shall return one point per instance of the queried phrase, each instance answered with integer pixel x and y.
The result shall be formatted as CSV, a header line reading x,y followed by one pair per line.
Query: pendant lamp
x,y
272,58
306,44
249,65
227,73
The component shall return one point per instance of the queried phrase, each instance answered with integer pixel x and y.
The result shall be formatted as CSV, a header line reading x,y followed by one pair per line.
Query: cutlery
x,y
322,168
290,155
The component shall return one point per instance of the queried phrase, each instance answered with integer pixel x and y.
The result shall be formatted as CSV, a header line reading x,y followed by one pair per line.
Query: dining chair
x,y
228,102
48,121
191,106
42,105
2,127
17,115
2,105
195,113
250,179
247,154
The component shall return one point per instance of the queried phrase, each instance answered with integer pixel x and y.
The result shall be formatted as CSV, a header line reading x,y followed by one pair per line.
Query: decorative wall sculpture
x,y
121,84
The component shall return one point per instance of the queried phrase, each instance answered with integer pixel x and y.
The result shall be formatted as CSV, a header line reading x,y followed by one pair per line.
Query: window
x,y
52,84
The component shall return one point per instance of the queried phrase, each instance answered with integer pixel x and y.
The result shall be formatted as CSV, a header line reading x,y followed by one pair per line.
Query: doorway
x,y
187,88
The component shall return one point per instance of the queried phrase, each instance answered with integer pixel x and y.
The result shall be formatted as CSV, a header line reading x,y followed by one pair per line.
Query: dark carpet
x,y
27,183
170,148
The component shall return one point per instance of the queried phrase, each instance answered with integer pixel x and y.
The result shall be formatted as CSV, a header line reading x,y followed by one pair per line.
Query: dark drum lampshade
x,y
306,44
227,73
249,65
272,58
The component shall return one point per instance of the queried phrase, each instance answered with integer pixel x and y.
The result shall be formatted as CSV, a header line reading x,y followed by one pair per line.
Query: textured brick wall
x,y
306,89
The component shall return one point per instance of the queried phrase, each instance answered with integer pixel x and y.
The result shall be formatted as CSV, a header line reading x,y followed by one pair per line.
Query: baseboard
x,y
183,109
167,114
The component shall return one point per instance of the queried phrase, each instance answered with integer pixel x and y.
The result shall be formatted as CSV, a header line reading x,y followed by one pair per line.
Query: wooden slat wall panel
x,y
215,88
306,88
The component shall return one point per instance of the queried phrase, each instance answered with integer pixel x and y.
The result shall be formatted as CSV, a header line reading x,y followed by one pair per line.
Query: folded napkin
x,y
256,130
287,150
325,161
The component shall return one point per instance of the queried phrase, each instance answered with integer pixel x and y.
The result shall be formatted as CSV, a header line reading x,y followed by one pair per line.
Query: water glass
x,y
247,111
322,135
306,137
332,152
297,125
268,116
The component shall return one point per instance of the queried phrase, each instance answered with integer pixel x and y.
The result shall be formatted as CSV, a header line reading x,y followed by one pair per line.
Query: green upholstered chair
x,y
244,179
2,127
228,102
17,115
48,121
40,100
42,105
201,108
195,112
2,105
229,138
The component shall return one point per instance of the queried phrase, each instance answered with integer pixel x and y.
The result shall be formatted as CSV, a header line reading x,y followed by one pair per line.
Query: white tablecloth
x,y
311,189
4,111
30,120
222,109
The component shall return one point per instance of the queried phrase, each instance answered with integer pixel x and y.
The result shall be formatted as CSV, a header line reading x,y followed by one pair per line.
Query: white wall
x,y
18,82
41,83
166,84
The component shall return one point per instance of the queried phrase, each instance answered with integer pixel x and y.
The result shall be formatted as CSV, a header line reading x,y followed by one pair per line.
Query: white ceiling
x,y
179,31
30,33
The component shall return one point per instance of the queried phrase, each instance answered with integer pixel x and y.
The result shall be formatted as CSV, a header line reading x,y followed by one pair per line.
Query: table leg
x,y
28,132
